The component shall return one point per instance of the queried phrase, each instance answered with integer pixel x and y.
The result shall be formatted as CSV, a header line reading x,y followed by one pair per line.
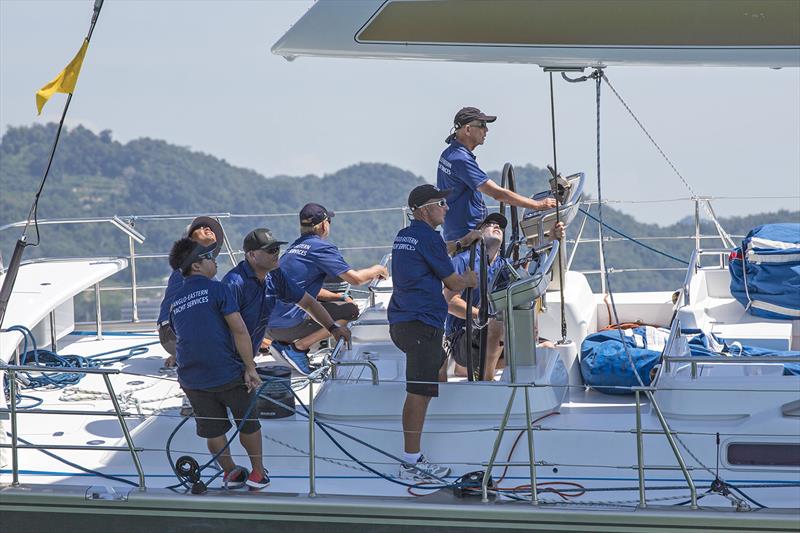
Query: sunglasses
x,y
207,255
440,203
481,124
272,250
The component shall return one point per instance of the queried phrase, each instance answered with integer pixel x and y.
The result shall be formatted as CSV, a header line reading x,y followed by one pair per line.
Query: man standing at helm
x,y
458,170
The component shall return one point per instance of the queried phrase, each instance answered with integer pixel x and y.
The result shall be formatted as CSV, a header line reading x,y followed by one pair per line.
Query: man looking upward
x,y
458,170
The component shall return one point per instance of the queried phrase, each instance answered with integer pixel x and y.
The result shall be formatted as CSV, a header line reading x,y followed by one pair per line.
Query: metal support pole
x,y
312,489
12,389
53,333
531,453
227,244
98,313
134,304
125,431
640,451
694,370
403,212
675,450
697,226
496,447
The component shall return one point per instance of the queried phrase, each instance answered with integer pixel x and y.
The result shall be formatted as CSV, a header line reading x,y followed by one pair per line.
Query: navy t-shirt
x,y
459,171
419,264
460,262
256,299
307,261
173,284
206,354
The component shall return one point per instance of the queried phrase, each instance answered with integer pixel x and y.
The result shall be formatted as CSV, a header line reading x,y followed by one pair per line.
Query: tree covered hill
x,y
94,175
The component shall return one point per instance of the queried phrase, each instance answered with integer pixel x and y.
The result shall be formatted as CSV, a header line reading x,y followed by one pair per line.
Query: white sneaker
x,y
424,470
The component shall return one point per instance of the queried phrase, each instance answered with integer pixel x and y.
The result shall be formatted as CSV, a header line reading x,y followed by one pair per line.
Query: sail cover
x,y
765,271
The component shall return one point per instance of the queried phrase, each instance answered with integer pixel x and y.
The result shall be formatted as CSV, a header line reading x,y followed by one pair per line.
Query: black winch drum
x,y
278,387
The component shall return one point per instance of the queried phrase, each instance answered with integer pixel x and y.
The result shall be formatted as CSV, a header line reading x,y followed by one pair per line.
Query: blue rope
x,y
665,254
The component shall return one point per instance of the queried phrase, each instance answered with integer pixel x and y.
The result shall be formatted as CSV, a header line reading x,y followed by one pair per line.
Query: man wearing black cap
x,y
215,361
308,261
202,230
491,229
459,171
417,312
258,285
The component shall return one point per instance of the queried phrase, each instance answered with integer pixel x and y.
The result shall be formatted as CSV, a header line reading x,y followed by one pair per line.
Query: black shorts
x,y
338,310
422,345
211,408
456,345
167,339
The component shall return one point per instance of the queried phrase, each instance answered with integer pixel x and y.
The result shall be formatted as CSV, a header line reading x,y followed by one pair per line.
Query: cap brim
x,y
216,227
497,218
488,118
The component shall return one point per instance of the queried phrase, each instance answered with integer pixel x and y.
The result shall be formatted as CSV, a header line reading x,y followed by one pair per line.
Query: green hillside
x,y
95,176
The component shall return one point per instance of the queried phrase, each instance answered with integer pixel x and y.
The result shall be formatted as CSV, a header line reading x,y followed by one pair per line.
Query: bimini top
x,y
553,33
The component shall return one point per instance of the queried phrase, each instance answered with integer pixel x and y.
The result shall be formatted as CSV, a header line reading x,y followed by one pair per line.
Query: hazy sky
x,y
200,74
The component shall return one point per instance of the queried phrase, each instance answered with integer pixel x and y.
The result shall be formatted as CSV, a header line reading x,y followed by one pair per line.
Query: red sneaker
x,y
258,481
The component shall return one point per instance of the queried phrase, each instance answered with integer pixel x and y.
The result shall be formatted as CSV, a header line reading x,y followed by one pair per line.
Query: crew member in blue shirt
x,y
458,171
215,361
416,313
491,229
203,230
308,261
258,286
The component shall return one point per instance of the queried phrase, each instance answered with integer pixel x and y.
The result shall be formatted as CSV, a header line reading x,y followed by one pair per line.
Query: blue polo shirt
x,y
459,171
460,262
257,299
173,284
419,264
307,261
206,354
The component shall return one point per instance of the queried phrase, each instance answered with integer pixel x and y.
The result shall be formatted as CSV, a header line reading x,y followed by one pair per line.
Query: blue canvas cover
x,y
708,344
605,363
765,271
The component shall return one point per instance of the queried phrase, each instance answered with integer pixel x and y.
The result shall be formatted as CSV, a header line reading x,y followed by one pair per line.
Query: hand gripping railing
x,y
373,285
11,370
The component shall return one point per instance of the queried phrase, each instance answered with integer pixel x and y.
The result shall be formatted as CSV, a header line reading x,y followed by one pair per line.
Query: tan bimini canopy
x,y
553,33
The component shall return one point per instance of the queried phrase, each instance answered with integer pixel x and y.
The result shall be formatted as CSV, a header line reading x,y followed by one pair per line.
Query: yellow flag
x,y
65,81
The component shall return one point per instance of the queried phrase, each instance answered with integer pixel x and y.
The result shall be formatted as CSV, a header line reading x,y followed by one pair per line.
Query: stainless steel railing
x,y
11,371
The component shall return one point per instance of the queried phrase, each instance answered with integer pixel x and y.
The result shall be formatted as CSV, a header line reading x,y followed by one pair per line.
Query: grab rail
x,y
373,285
105,372
335,363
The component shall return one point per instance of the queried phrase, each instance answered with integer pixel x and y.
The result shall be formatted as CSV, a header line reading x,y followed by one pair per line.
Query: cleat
x,y
424,470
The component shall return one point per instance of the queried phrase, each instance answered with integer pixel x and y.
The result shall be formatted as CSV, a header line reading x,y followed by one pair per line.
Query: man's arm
x,y
490,188
329,296
456,305
311,306
459,282
453,247
241,338
360,277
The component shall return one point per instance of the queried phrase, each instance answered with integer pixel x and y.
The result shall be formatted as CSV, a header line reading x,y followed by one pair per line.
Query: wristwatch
x,y
333,327
459,246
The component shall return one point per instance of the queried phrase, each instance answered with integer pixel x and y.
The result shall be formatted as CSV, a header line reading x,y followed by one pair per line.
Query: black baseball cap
x,y
259,239
199,252
425,193
466,115
312,214
497,218
212,223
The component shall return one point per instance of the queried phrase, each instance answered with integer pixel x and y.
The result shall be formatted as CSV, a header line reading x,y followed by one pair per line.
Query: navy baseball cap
x,y
425,193
199,253
312,214
259,239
